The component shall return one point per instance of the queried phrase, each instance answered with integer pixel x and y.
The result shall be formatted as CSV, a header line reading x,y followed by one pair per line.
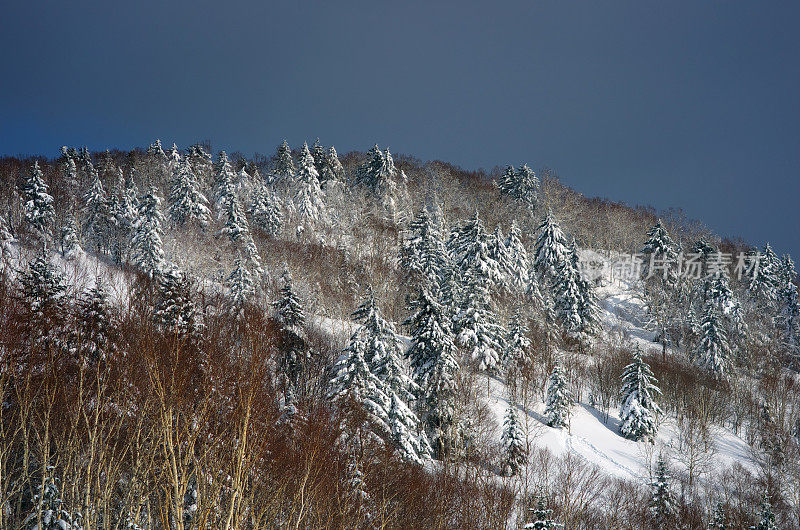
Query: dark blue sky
x,y
687,104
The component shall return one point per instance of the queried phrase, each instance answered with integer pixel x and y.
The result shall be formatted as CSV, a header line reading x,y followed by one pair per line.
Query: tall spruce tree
x,y
662,501
713,353
265,208
476,327
638,409
175,312
186,203
98,225
284,169
226,197
294,352
766,518
513,443
559,399
148,249
309,200
551,250
240,286
660,255
520,184
37,203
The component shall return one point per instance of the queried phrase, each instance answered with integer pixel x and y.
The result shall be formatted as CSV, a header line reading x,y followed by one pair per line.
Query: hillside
x,y
367,341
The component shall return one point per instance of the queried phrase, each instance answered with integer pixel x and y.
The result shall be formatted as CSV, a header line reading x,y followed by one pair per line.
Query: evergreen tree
x,y
662,501
423,253
765,279
44,295
476,327
517,266
718,519
541,517
551,251
48,512
382,350
559,399
332,168
766,517
266,211
638,409
284,165
431,335
309,199
319,154
377,172
148,251
240,286
713,352
175,311
660,251
517,343
186,202
99,223
520,184
290,316
472,255
434,364
227,201
568,296
37,202
95,323
354,383
513,442
70,246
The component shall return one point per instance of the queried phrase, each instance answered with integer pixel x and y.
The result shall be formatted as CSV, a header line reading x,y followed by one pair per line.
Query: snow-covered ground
x,y
590,435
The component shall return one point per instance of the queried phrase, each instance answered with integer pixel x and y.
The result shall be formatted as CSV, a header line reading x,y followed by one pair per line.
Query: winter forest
x,y
204,340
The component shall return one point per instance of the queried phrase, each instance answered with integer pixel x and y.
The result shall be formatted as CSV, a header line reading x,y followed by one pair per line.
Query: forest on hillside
x,y
309,340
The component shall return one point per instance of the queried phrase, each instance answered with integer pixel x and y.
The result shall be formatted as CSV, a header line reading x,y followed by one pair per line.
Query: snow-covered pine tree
x,y
284,170
433,362
638,409
407,433
174,158
332,168
662,502
569,300
240,286
43,292
789,320
48,512
186,202
37,203
354,384
559,399
513,443
95,323
517,266
290,317
319,154
265,208
309,200
6,239
226,199
470,247
148,249
175,312
660,251
551,250
98,226
520,184
766,518
718,518
377,172
422,251
541,517
713,353
70,246
431,335
476,327
765,280
516,343
201,163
